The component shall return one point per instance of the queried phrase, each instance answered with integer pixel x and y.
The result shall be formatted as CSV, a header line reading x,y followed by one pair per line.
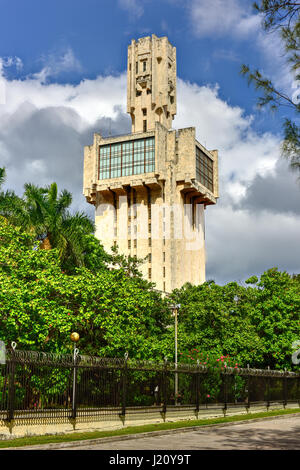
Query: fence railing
x,y
37,385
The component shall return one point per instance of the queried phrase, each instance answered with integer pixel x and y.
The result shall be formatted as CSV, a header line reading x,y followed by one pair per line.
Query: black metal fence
x,y
37,385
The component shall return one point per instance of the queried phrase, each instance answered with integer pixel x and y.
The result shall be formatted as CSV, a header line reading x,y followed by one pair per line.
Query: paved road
x,y
279,433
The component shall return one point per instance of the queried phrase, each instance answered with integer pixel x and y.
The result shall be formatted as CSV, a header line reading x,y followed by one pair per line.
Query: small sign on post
x,y
2,352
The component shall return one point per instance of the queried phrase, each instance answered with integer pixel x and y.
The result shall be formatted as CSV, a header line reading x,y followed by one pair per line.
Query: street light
x,y
75,338
175,309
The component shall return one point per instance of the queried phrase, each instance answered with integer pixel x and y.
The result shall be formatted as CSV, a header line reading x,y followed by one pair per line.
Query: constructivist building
x,y
150,188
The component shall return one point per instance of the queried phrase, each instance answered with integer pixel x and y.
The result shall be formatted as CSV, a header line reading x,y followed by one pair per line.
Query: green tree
x,y
217,318
40,305
255,324
276,316
10,204
46,215
282,16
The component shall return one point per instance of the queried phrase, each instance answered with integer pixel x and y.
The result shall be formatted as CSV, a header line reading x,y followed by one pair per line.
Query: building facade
x,y
150,188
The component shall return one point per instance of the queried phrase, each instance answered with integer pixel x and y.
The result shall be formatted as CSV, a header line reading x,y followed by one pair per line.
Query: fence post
x,y
164,388
225,389
248,389
124,387
197,388
74,404
284,389
268,391
11,385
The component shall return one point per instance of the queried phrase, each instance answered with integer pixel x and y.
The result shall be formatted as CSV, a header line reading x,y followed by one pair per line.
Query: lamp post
x,y
75,338
175,309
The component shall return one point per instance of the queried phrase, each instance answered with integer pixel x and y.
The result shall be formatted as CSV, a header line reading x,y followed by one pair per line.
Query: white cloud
x,y
43,128
217,18
241,243
243,153
236,19
91,99
55,65
134,7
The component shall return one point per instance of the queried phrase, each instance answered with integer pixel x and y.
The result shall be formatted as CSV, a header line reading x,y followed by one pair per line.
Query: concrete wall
x,y
38,427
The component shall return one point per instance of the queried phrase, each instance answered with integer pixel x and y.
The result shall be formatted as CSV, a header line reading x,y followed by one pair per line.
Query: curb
x,y
101,440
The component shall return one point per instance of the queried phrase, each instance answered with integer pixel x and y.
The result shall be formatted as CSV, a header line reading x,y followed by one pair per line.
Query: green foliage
x,y
255,325
282,16
114,310
10,203
40,305
45,214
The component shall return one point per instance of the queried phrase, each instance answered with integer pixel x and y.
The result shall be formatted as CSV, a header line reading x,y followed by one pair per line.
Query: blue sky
x,y
99,31
62,71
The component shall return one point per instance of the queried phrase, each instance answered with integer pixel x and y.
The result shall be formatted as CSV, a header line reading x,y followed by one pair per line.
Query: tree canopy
x,y
40,305
256,324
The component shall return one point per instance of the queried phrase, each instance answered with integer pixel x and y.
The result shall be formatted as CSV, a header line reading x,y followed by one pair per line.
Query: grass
x,y
35,440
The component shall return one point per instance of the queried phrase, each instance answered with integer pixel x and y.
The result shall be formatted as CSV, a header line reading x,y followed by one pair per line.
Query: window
x,y
129,244
127,158
164,256
145,125
149,258
149,273
164,272
136,67
138,93
204,169
144,66
144,111
134,243
172,99
149,242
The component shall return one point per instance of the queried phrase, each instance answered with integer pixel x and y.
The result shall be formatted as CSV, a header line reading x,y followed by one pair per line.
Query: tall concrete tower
x,y
151,83
150,188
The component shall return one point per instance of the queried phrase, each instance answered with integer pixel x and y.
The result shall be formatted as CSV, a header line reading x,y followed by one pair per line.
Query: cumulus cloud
x,y
222,17
244,153
57,64
236,19
134,7
255,225
241,243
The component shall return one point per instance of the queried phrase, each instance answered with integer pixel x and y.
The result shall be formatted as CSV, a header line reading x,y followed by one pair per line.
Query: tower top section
x,y
151,83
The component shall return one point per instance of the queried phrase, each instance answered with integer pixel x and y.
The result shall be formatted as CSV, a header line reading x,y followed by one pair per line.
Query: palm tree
x,y
10,204
46,213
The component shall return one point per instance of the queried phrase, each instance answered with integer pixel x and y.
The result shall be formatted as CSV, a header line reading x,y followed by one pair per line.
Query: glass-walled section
x,y
204,169
132,157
